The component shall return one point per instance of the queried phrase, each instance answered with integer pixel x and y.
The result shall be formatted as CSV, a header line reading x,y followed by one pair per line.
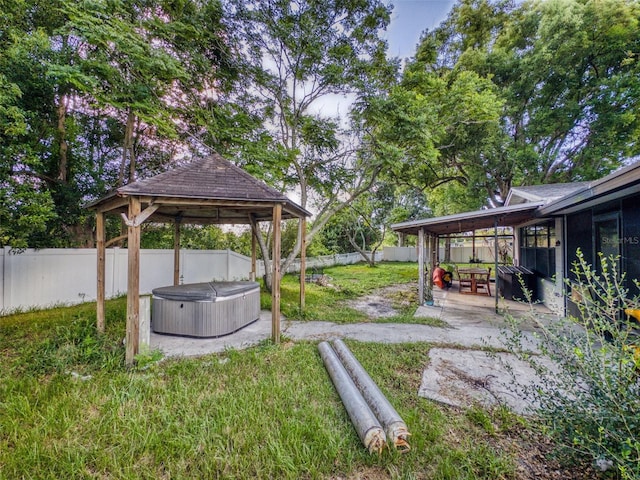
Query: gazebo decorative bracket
x,y
139,219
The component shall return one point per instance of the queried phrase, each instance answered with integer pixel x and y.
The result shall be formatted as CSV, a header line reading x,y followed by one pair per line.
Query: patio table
x,y
471,278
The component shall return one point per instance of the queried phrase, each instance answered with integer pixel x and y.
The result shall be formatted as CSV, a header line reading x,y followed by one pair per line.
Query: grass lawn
x,y
329,303
69,409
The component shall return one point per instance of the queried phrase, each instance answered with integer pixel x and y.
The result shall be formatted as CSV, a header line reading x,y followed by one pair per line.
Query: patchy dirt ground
x,y
386,302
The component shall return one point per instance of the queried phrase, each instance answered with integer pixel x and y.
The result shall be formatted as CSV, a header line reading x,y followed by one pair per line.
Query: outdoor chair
x,y
484,283
465,284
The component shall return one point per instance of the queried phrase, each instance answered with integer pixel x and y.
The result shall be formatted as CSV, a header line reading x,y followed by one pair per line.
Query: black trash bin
x,y
511,287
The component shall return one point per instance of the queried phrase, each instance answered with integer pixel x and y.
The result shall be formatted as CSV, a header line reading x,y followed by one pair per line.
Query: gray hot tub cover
x,y
204,292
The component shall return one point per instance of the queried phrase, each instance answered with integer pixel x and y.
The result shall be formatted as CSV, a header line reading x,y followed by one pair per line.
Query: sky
x,y
409,19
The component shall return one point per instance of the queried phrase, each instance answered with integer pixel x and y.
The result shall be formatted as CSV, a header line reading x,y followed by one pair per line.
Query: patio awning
x,y
468,221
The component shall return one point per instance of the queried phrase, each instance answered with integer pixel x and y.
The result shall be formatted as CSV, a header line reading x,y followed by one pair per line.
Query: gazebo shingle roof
x,y
210,177
205,190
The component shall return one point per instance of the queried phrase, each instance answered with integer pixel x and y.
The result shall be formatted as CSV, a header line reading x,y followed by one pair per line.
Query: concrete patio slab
x,y
463,378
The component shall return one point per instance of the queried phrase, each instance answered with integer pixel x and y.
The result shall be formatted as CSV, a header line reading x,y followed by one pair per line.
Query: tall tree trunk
x,y
264,249
127,148
447,249
63,146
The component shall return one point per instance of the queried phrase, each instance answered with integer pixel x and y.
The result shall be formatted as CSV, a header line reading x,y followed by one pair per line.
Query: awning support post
x,y
420,266
495,254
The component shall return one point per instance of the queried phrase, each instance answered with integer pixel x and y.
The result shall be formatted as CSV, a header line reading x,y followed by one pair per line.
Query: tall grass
x,y
268,412
70,409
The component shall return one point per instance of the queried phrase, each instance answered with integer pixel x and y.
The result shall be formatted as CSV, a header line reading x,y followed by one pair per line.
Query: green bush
x,y
589,396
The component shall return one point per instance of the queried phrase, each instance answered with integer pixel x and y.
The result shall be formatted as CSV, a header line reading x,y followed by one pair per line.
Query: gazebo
x,y
205,191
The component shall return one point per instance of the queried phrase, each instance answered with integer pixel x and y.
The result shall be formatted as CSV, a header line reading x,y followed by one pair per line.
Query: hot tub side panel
x,y
205,318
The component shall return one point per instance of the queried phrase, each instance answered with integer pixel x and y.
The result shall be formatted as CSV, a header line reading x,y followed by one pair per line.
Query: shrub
x,y
589,395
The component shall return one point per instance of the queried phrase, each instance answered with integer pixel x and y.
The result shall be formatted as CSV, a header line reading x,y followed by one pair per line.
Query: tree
x,y
538,92
301,55
569,71
100,92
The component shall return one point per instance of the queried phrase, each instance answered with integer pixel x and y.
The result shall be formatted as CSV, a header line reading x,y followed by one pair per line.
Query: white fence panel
x,y
464,254
2,279
156,270
238,266
401,254
42,278
209,265
47,277
459,254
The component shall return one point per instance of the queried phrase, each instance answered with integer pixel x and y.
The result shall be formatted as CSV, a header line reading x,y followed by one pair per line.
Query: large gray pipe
x,y
366,424
394,426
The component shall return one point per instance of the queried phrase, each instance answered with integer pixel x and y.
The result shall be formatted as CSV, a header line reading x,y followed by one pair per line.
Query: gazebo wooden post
x,y
133,282
420,266
176,252
101,251
275,278
303,260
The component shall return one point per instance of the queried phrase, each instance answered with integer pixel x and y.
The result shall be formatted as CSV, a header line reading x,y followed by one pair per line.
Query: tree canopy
x,y
537,92
94,94
299,57
302,94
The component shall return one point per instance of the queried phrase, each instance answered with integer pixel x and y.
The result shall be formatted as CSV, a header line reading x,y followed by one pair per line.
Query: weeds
x,y
589,398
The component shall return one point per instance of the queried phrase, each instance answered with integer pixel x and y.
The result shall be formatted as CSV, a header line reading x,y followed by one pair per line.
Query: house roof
x,y
208,190
542,193
530,202
621,183
465,222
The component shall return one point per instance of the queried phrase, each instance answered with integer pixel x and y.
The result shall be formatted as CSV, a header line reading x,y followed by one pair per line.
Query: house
x,y
551,222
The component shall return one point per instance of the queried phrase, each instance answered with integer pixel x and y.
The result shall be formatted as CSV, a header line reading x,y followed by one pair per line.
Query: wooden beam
x,y
176,252
303,261
141,217
133,283
420,266
177,201
115,240
113,203
101,252
275,278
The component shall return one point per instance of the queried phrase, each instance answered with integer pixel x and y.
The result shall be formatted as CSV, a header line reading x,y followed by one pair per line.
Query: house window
x,y
537,251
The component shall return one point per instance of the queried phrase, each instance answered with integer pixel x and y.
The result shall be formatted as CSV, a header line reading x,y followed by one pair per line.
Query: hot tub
x,y
211,309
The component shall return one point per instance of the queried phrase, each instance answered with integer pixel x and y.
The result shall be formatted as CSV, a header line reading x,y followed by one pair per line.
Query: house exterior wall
x,y
581,233
549,290
631,241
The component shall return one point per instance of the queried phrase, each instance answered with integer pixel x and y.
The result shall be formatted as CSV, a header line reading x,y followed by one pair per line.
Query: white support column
x,y
421,267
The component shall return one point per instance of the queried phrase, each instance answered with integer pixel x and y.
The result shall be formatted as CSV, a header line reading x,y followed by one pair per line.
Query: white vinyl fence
x,y
459,254
47,277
